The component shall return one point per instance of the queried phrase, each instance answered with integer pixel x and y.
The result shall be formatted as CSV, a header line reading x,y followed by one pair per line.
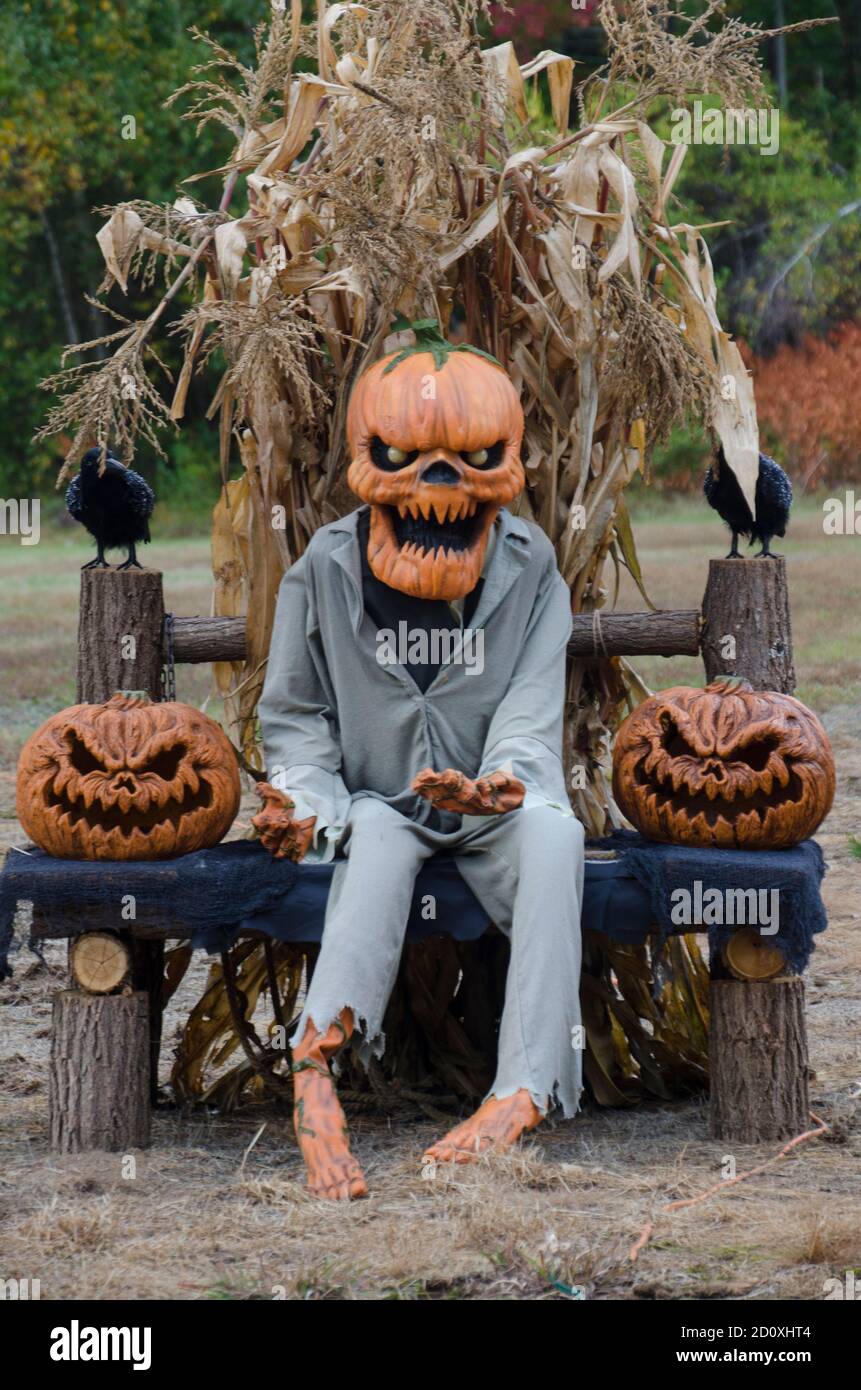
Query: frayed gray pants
x,y
526,870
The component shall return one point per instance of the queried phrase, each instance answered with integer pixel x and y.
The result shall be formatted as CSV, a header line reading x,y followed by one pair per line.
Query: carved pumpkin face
x,y
435,449
127,780
726,766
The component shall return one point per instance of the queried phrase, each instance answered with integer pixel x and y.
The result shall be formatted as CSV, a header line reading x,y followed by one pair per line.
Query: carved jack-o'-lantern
x,y
726,766
127,780
434,433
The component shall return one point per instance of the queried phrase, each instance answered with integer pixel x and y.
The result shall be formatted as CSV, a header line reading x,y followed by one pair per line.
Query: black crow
x,y
773,501
114,505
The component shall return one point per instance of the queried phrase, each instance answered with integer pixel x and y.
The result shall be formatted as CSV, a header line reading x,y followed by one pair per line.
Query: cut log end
x,y
751,957
100,963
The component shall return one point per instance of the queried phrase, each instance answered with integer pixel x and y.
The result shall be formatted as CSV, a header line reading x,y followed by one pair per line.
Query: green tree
x,y
83,125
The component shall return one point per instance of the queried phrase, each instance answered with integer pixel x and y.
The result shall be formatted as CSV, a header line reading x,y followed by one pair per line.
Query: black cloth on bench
x,y
215,894
795,874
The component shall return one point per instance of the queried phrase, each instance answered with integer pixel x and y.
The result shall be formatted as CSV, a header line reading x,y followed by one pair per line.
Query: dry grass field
x,y
216,1208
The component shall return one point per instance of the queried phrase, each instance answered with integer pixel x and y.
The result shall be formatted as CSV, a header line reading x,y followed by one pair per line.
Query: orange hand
x,y
484,796
279,831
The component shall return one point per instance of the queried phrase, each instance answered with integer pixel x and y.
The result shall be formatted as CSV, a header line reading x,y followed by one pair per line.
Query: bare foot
x,y
319,1122
496,1124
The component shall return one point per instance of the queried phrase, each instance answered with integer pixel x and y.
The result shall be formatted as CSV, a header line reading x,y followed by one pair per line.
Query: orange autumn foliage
x,y
808,401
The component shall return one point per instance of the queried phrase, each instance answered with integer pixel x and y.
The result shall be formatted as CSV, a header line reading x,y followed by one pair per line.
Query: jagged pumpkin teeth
x,y
725,766
440,510
440,569
65,775
653,760
90,788
187,777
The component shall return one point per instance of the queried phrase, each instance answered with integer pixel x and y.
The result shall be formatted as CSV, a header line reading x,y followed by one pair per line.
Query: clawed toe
x,y
453,1153
342,1186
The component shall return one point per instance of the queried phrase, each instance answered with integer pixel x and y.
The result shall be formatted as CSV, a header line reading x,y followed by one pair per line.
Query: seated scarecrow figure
x,y
389,761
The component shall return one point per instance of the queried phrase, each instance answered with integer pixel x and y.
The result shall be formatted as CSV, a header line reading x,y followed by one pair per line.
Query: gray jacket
x,y
339,724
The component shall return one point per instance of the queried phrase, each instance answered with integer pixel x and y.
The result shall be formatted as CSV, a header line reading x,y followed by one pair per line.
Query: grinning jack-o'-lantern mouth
x,y
755,782
443,540
726,766
125,800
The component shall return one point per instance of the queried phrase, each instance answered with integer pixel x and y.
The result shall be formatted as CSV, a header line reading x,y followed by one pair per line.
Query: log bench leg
x,y
99,1082
148,975
758,1059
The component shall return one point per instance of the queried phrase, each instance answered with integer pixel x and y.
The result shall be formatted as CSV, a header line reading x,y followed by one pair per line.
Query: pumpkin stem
x,y
128,698
724,685
429,339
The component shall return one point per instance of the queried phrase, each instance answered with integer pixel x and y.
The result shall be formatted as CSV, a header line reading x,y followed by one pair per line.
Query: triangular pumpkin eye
x,y
756,754
166,763
82,760
674,740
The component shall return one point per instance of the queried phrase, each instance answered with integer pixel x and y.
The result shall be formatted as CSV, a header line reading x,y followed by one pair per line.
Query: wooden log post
x,y
99,1079
105,1044
758,1060
147,974
757,1036
748,631
120,636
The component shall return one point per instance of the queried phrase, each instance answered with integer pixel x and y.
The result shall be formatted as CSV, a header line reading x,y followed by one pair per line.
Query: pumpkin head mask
x,y
434,433
726,766
127,780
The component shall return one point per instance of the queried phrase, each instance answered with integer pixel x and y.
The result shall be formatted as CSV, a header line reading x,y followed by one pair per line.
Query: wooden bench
x,y
96,1034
